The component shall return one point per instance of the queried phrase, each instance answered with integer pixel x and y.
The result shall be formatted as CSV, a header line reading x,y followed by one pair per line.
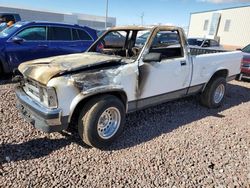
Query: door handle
x,y
183,63
73,45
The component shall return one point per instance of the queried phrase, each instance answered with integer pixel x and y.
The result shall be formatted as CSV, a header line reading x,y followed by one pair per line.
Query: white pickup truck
x,y
94,90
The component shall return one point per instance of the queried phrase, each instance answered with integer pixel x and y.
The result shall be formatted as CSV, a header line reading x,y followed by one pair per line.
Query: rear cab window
x,y
167,43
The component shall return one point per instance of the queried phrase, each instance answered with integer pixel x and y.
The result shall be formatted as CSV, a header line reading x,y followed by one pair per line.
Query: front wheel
x,y
214,93
101,121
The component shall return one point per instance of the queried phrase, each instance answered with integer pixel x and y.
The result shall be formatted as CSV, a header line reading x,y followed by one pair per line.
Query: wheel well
x,y
221,73
74,118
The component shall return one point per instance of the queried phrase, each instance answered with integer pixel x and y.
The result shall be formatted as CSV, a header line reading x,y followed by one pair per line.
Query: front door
x,y
168,78
28,44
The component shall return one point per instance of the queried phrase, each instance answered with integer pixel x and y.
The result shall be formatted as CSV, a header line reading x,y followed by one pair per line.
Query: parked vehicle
x,y
166,37
94,90
204,43
7,19
245,63
26,41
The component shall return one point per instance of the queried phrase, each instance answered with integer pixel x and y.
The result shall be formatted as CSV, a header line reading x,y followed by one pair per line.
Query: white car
x,y
94,90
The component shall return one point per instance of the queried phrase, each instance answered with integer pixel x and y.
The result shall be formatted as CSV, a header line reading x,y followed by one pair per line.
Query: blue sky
x,y
128,12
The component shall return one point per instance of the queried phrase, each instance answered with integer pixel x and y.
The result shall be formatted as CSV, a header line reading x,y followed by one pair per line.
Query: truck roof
x,y
53,24
143,27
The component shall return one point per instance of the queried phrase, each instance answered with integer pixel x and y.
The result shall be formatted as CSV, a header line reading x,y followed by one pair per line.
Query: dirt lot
x,y
178,144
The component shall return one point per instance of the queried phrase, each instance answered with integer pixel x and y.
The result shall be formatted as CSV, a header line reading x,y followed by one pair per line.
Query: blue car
x,y
26,41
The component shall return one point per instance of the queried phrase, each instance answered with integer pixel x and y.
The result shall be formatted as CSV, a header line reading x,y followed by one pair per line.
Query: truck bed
x,y
207,63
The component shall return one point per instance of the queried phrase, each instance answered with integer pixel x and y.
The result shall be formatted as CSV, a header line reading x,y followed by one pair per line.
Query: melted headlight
x,y
49,97
45,95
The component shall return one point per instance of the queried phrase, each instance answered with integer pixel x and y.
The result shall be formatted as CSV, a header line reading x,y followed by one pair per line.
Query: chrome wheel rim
x,y
219,93
109,123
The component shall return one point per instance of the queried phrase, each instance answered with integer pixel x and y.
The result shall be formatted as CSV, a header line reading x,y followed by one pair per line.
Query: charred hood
x,y
42,70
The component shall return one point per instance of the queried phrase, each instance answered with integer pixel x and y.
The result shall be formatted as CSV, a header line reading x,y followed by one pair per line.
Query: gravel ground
x,y
178,144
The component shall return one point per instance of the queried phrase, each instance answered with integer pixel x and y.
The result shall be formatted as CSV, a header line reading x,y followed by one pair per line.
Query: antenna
x,y
106,17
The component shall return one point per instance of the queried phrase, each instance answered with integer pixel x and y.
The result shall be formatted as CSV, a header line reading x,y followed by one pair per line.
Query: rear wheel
x,y
214,93
101,121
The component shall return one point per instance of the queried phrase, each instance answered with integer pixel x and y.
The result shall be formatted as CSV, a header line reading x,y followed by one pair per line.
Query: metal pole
x,y
142,16
107,9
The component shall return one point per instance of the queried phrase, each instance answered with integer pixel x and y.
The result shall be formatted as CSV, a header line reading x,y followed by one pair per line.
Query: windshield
x,y
10,30
141,38
125,43
145,35
246,49
195,42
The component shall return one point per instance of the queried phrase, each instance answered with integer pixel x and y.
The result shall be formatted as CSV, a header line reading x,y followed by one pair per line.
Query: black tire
x,y
208,98
88,127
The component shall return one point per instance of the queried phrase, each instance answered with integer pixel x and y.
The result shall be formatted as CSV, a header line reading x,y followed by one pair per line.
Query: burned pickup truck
x,y
94,90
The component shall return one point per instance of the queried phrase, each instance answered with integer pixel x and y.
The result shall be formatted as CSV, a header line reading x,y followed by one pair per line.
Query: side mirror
x,y
152,57
239,49
17,40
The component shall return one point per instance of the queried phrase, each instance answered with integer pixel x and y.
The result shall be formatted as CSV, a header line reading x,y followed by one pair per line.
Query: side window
x,y
214,43
141,38
168,44
59,33
33,33
83,35
75,34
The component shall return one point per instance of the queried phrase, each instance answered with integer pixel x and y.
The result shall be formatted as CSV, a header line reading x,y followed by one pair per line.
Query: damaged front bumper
x,y
45,119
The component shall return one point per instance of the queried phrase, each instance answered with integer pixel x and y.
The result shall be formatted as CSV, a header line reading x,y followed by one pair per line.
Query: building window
x,y
214,23
205,25
227,25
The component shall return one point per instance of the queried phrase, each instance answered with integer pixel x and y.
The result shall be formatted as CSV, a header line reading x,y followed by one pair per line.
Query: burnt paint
x,y
104,76
144,71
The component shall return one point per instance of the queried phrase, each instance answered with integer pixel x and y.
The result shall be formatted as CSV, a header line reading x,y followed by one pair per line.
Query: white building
x,y
230,26
96,22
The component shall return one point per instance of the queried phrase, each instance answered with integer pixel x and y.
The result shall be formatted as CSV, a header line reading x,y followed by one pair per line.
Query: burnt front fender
x,y
84,96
